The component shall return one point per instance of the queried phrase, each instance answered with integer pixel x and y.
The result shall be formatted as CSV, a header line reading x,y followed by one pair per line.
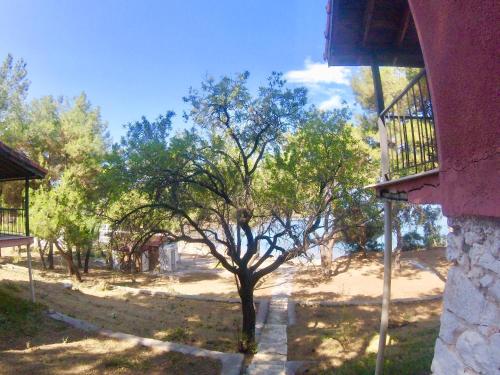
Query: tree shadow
x,y
344,340
94,354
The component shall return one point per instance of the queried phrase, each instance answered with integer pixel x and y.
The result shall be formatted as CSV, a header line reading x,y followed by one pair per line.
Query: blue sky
x,y
136,58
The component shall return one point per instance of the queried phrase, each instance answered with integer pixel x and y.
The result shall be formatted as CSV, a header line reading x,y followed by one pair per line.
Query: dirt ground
x,y
354,278
36,344
360,279
346,338
203,278
215,325
210,325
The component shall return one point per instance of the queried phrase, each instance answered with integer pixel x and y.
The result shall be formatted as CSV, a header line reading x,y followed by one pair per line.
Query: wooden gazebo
x,y
14,221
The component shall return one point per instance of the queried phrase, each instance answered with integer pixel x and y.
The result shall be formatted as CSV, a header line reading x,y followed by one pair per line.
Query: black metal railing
x,y
12,221
408,136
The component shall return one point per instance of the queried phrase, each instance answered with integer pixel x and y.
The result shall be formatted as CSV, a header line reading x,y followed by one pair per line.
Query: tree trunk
x,y
247,341
41,252
132,266
326,255
79,257
87,259
110,260
73,270
50,257
363,241
399,246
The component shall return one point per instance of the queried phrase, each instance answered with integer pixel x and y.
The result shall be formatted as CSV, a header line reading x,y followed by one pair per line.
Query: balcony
x,y
13,228
12,222
409,153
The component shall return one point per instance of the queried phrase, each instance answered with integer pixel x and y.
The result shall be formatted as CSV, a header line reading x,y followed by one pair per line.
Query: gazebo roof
x,y
371,32
14,165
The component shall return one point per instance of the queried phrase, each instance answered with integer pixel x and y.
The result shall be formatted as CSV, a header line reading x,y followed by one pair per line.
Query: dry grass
x,y
93,355
344,339
210,325
31,343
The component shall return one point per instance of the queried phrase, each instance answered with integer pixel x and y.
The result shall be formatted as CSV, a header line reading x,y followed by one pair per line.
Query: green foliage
x,y
246,162
69,139
253,171
412,241
360,221
322,150
13,90
72,149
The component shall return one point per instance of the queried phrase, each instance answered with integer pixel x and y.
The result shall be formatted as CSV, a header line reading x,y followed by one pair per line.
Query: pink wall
x,y
460,41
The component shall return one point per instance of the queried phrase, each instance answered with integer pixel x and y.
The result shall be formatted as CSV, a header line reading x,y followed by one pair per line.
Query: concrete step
x,y
266,369
265,358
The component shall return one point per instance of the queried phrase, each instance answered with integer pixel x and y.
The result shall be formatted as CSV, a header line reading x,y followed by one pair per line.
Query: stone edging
x,y
368,303
231,362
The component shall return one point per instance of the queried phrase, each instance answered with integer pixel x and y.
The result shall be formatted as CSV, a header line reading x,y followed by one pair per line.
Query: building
x,y
14,221
157,254
440,142
160,255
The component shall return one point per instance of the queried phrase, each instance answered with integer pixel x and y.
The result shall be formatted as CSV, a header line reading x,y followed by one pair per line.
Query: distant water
x,y
341,249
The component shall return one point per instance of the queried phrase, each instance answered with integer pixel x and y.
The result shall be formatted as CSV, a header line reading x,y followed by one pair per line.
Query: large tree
x,y
240,181
325,149
68,138
14,86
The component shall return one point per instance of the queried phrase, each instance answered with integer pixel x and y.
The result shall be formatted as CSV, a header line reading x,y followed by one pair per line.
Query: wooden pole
x,y
27,229
27,206
386,295
377,87
30,272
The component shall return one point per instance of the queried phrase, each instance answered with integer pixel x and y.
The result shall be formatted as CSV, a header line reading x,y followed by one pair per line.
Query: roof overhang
x,y
371,32
14,165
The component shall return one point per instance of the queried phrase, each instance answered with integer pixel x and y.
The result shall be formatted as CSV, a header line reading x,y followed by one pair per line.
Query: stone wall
x,y
469,338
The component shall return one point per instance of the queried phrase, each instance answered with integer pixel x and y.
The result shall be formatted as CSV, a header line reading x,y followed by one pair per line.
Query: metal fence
x,y
12,221
410,136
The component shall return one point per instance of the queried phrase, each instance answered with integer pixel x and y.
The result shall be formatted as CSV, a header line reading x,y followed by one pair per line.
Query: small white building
x,y
161,256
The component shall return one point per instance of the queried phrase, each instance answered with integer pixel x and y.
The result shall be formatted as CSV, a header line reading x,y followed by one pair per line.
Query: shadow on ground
x,y
344,340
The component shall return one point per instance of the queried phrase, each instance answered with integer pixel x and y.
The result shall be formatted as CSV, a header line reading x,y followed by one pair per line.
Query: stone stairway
x,y
271,355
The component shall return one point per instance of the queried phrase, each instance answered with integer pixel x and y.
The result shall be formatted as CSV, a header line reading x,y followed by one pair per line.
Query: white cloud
x,y
334,101
315,74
